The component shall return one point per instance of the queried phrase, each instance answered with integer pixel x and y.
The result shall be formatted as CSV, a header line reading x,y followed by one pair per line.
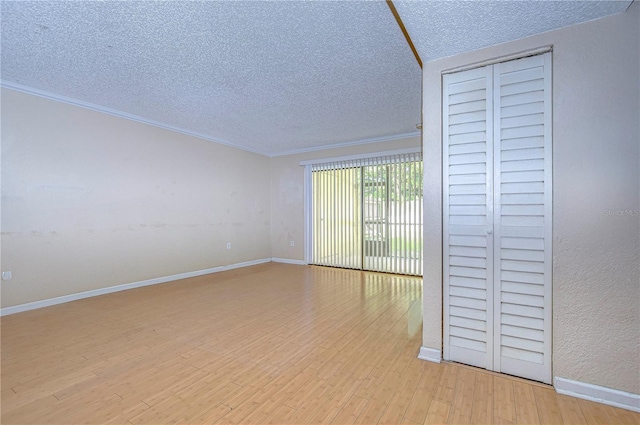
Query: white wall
x,y
287,193
90,201
596,162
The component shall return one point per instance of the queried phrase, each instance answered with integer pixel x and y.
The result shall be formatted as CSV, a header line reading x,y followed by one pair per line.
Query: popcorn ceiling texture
x,y
440,29
269,77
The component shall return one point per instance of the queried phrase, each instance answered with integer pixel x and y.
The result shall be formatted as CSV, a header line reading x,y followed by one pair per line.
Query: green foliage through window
x,y
404,181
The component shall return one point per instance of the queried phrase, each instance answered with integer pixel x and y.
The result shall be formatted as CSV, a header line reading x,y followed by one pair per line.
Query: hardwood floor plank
x,y
525,403
380,368
440,406
570,410
351,410
240,414
397,406
387,390
129,410
621,416
482,411
595,413
547,405
504,408
438,413
305,393
409,422
282,415
462,402
419,404
30,413
310,407
343,389
212,415
184,377
160,413
211,396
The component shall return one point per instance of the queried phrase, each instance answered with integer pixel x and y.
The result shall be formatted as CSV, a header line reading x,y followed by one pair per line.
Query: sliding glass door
x,y
367,214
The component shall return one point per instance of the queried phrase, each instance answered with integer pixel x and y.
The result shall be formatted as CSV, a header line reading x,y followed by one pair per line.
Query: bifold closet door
x,y
497,217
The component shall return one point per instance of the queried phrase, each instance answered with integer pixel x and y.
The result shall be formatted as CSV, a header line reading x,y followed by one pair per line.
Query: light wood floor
x,y
270,344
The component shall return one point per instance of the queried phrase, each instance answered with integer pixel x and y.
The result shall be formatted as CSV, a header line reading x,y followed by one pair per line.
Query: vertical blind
x,y
367,214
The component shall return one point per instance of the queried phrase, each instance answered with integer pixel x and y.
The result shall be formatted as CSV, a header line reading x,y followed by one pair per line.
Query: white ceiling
x,y
441,28
271,77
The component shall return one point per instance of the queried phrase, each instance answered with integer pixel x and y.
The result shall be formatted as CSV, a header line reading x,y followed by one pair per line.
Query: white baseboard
x,y
102,291
288,261
430,354
598,394
245,264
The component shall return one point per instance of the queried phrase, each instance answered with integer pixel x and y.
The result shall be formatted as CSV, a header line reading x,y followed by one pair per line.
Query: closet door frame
x,y
494,360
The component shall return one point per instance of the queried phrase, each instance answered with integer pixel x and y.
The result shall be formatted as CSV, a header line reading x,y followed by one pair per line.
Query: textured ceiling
x,y
268,76
445,28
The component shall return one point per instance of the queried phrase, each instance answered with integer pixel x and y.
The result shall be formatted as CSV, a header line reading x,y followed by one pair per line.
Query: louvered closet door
x,y
497,242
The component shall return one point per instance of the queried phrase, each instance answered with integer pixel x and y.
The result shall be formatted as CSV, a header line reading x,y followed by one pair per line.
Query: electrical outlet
x,y
292,243
7,275
228,245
